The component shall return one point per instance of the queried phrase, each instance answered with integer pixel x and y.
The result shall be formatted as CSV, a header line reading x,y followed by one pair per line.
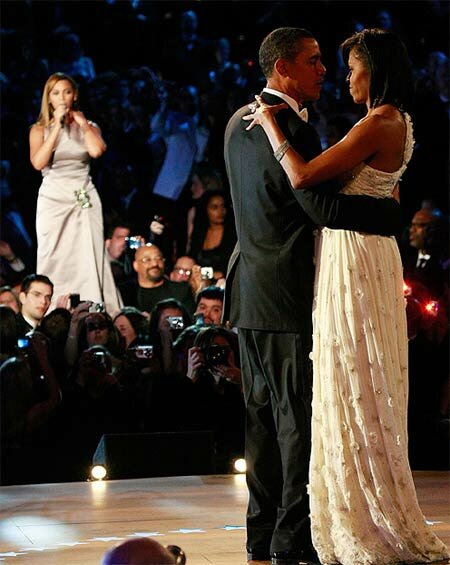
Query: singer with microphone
x,y
69,216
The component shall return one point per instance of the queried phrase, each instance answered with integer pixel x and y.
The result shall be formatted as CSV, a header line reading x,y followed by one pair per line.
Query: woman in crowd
x,y
69,220
214,234
132,325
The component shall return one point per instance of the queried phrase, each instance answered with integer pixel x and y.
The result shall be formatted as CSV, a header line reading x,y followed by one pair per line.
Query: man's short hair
x,y
29,279
212,293
281,43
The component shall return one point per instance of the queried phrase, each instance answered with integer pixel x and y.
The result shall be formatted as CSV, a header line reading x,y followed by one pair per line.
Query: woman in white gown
x,y
69,219
364,508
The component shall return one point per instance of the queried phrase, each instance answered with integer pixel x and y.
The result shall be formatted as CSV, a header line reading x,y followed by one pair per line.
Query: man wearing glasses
x,y
152,284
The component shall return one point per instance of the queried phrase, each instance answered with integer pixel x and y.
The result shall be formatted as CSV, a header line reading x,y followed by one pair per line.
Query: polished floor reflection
x,y
75,523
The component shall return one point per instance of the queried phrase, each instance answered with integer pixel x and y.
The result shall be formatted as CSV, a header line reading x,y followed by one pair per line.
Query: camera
x,y
97,307
207,273
175,322
143,351
159,219
99,359
74,300
23,343
199,319
216,355
133,242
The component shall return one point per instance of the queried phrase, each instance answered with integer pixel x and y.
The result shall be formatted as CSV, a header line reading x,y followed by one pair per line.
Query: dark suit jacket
x,y
270,274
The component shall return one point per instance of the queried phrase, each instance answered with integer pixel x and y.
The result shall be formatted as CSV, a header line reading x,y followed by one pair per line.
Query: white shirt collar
x,y
421,256
302,113
33,323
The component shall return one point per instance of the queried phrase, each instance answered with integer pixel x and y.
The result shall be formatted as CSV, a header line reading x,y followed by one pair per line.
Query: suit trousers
x,y
277,383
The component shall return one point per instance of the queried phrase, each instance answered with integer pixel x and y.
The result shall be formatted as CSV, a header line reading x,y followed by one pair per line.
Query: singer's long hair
x,y
46,113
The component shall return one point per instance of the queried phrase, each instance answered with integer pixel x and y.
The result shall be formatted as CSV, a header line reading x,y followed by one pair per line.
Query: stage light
x,y
98,473
239,465
432,307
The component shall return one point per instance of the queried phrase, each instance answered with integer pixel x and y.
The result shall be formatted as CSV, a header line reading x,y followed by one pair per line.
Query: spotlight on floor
x,y
239,466
98,473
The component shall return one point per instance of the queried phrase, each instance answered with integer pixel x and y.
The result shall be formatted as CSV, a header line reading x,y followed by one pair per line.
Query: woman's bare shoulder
x,y
37,131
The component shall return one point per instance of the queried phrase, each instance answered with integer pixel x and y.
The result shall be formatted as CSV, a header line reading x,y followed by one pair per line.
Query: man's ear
x,y
22,297
280,67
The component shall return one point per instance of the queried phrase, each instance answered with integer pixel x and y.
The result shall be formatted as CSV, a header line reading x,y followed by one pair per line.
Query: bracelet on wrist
x,y
281,151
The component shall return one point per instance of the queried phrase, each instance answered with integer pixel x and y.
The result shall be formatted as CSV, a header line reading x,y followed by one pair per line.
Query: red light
x,y
250,63
432,307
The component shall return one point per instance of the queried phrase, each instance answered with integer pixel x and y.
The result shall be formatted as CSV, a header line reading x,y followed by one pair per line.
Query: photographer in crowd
x,y
30,397
91,325
213,389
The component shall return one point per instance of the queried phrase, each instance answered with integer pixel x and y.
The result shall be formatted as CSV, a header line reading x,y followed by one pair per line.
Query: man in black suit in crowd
x,y
426,258
36,293
269,294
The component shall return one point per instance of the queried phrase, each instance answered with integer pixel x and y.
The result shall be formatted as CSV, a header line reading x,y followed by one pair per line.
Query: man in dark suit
x,y
269,294
425,258
36,292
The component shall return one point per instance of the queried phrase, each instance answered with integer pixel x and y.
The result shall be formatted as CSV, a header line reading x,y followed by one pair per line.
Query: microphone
x,y
62,119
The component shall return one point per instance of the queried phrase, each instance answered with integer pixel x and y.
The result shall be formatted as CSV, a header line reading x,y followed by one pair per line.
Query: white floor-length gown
x,y
364,508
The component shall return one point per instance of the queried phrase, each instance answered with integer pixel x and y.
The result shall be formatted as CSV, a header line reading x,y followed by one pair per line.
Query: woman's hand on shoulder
x,y
261,113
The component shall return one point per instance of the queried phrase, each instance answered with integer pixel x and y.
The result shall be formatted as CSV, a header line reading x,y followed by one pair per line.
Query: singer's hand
x,y
60,114
80,119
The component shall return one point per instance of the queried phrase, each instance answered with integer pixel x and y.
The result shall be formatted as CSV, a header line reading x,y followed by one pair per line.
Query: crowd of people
x,y
117,298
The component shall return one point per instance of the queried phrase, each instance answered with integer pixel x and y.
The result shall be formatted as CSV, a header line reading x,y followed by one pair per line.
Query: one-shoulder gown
x,y
364,508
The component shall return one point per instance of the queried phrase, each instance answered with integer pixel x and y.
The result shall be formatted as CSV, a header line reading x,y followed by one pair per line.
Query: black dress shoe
x,y
258,555
305,557
285,558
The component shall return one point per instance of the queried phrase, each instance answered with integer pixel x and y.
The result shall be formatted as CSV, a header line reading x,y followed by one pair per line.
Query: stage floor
x,y
75,523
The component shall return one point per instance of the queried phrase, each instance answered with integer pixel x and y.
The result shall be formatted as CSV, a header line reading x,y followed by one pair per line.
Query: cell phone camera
x,y
143,351
175,322
207,273
133,242
23,343
97,307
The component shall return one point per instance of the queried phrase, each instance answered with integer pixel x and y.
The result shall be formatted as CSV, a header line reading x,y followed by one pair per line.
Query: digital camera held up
x,y
97,307
207,273
134,241
143,351
175,322
216,355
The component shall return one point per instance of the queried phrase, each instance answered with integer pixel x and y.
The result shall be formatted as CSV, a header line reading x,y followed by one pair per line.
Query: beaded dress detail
x,y
364,508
